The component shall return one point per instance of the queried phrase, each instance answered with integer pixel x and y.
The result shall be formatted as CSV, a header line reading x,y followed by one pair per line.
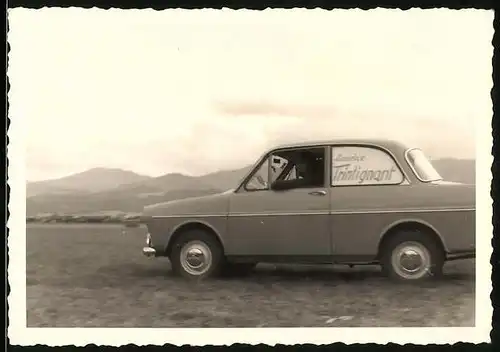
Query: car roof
x,y
385,143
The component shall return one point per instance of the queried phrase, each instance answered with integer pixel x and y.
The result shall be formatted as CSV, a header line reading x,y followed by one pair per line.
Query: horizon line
x,y
185,174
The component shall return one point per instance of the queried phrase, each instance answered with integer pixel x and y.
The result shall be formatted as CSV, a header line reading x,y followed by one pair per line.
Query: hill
x,y
93,180
225,179
162,184
133,196
104,201
457,170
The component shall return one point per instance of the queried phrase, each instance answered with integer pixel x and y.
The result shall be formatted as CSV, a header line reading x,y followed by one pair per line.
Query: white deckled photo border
x,y
20,334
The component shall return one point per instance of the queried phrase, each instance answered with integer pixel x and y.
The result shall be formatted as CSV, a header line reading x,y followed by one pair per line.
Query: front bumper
x,y
149,252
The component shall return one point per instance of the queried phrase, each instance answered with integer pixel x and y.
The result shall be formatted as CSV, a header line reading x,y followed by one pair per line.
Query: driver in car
x,y
309,172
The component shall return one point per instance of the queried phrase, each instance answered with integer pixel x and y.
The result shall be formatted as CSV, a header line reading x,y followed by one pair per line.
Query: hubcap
x,y
196,257
411,260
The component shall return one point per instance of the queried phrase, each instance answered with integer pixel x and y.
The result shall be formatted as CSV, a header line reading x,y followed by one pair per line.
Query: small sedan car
x,y
334,202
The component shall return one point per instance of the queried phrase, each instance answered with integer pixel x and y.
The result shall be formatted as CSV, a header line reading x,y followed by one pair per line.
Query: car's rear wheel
x,y
412,256
196,254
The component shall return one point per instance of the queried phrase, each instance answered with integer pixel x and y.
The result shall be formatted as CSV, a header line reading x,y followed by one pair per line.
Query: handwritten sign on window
x,y
363,166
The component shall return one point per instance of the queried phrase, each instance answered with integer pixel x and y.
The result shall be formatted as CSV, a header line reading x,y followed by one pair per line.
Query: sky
x,y
203,90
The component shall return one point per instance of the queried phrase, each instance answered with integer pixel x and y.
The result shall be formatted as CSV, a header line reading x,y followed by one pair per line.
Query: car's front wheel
x,y
412,256
196,255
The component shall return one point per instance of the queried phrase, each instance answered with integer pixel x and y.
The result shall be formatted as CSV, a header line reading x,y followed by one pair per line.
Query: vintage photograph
x,y
260,170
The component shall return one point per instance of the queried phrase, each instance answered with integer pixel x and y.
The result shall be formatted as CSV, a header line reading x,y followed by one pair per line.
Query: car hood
x,y
214,204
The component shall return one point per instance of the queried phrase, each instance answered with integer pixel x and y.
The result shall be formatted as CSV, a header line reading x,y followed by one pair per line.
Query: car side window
x,y
292,175
305,168
361,165
290,169
278,166
260,179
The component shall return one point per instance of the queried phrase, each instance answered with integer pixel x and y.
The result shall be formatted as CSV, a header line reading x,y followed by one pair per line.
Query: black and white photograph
x,y
274,176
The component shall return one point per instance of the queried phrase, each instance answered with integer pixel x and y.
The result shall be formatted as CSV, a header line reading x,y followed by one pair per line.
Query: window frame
x,y
254,171
414,170
405,179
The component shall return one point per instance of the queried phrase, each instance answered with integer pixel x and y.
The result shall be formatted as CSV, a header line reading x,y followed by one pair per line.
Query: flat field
x,y
96,276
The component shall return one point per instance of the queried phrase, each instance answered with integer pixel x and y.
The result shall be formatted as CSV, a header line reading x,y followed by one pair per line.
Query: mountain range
x,y
105,189
93,180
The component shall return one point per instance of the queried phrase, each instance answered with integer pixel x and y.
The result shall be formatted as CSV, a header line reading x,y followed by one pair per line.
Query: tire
x,y
196,267
427,253
238,269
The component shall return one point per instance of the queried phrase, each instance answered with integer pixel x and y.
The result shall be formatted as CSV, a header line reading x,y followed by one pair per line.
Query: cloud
x,y
256,108
193,92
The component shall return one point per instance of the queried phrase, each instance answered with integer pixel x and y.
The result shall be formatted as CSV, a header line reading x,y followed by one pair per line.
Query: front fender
x,y
163,230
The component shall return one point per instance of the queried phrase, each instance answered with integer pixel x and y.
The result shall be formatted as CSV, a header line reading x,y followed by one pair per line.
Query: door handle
x,y
318,193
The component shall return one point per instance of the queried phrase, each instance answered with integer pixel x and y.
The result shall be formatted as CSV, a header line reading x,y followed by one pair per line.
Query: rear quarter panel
x,y
360,216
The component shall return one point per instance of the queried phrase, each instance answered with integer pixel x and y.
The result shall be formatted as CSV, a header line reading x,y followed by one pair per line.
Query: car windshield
x,y
423,168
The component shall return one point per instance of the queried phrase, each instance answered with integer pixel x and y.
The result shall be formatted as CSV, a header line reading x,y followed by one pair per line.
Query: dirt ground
x,y
96,276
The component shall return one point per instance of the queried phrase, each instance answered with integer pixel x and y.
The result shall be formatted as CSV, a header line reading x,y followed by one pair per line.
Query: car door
x,y
279,223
